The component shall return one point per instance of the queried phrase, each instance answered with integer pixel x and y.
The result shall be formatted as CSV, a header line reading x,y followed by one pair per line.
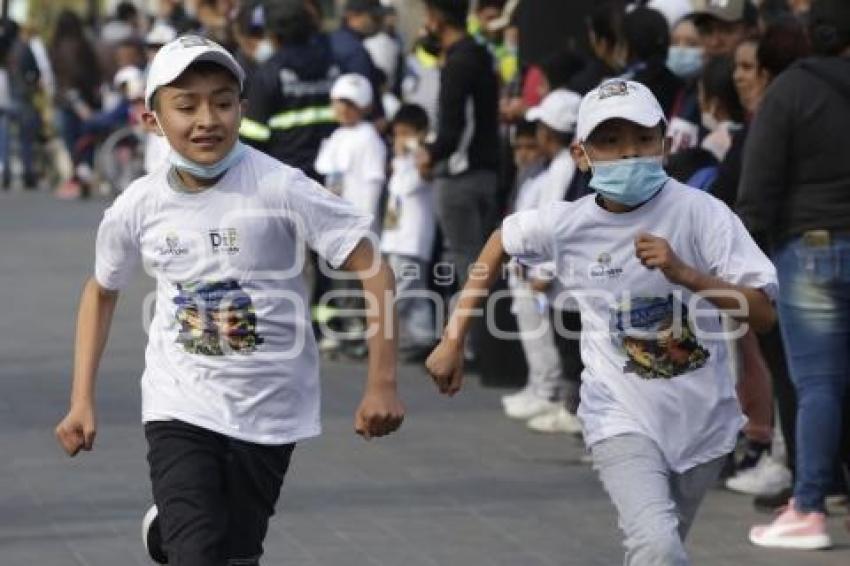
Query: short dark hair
x,y
455,12
412,115
290,21
560,68
717,82
781,45
525,129
126,11
647,34
606,21
829,26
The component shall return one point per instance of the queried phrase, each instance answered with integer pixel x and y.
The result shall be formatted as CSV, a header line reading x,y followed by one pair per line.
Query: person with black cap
x,y
722,24
794,194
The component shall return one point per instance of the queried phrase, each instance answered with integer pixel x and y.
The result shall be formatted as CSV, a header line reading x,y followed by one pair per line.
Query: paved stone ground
x,y
460,486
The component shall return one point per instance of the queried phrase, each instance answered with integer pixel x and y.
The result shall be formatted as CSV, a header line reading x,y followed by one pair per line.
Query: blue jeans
x,y
814,314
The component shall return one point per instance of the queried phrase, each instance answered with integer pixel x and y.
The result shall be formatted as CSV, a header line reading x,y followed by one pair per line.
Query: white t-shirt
x,y
556,178
410,223
677,390
354,162
231,346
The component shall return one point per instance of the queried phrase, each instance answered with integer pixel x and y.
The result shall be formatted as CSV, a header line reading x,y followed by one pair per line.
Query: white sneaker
x,y
559,420
529,407
516,397
767,476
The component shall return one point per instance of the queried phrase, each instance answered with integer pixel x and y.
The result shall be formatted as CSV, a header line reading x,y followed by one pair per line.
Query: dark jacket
x,y
351,56
468,123
289,111
796,173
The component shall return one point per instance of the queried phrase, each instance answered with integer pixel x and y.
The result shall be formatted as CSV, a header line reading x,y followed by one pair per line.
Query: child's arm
x,y
757,309
97,305
380,412
445,364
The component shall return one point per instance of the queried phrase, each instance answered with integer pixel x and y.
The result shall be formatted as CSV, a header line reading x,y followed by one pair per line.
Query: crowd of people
x,y
440,136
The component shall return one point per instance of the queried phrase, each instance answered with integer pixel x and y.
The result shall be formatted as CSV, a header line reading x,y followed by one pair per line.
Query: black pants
x,y
215,494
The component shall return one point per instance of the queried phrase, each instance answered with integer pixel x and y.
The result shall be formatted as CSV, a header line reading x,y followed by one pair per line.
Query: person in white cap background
x,y
652,264
354,158
231,376
542,401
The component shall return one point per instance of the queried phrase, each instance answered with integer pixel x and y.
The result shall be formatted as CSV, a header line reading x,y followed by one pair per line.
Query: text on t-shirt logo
x,y
602,268
225,240
172,246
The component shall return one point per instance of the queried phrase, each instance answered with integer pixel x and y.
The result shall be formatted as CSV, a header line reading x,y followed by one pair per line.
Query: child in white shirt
x,y
407,240
231,378
653,264
354,159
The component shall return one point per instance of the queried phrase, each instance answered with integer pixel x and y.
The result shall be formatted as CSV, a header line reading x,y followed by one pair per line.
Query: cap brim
x,y
533,114
635,115
207,56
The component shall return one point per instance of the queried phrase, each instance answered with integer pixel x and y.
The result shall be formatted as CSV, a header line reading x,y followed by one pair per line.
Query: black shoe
x,y
152,536
772,502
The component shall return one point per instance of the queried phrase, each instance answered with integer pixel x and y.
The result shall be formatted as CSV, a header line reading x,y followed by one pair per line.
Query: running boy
x,y
652,264
231,381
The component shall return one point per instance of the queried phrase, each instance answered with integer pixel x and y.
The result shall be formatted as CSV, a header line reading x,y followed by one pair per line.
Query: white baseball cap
x,y
354,88
618,98
559,111
175,57
131,78
160,34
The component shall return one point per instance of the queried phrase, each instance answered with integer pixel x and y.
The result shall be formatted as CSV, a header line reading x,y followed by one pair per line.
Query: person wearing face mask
x,y
249,32
289,107
658,405
685,59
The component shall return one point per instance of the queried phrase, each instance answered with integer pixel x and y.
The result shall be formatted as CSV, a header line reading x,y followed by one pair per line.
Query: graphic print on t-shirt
x,y
656,336
216,319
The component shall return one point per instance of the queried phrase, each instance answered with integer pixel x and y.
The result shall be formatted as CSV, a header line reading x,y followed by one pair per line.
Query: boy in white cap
x,y
542,401
354,159
231,378
652,264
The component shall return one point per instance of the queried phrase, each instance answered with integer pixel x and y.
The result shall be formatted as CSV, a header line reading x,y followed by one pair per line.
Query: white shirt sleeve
x,y
330,225
371,159
528,237
117,251
730,252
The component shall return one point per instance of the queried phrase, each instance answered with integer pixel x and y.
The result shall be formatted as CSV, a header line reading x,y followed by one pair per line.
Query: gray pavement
x,y
459,486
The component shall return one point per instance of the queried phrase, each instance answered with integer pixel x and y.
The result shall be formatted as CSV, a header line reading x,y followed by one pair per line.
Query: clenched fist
x,y
656,253
77,430
380,413
445,365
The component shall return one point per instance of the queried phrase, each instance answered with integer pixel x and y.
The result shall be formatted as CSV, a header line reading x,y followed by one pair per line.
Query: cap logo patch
x,y
188,41
613,88
722,4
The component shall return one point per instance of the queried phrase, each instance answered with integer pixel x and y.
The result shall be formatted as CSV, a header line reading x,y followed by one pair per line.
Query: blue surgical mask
x,y
217,169
628,181
685,62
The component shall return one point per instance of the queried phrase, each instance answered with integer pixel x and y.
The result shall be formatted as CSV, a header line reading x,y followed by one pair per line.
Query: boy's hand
x,y
77,430
654,252
445,364
380,412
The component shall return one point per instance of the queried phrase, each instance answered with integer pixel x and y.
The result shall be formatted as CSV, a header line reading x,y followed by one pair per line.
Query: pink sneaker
x,y
793,529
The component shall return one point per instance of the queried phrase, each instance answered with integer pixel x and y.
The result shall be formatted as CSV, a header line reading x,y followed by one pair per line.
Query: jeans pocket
x,y
818,265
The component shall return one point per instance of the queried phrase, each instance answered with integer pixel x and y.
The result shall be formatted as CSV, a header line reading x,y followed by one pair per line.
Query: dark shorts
x,y
215,494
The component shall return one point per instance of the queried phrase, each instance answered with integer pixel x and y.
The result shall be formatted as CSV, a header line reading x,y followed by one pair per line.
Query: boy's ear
x,y
151,123
580,157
